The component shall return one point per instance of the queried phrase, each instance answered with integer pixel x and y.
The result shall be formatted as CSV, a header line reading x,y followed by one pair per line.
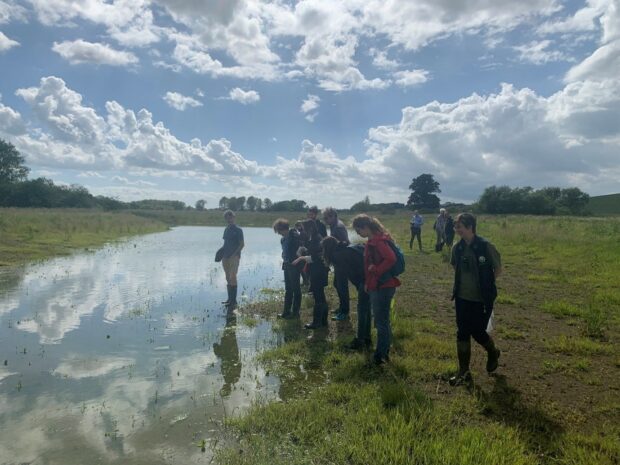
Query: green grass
x,y
32,234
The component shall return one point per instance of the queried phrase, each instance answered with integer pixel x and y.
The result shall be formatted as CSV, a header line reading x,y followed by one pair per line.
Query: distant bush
x,y
526,200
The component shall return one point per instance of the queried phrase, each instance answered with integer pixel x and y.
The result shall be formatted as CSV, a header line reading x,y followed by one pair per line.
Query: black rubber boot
x,y
316,318
227,301
324,314
232,302
463,352
493,354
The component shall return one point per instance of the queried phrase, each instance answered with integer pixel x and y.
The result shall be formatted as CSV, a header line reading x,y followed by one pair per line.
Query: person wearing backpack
x,y
380,282
349,261
477,264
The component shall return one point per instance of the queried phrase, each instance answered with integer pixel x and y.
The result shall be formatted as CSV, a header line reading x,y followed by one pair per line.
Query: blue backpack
x,y
398,268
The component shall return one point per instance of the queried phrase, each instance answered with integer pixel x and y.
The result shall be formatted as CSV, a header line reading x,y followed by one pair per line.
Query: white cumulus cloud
x,y
79,51
180,102
244,97
6,43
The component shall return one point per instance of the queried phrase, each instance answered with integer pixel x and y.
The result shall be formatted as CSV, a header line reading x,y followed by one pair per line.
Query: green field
x,y
31,234
605,204
554,400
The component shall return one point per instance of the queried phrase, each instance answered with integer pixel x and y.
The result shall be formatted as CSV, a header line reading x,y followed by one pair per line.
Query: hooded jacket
x,y
378,253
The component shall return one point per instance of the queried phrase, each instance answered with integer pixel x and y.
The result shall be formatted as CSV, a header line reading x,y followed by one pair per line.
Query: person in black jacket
x,y
449,229
292,289
318,274
348,260
477,264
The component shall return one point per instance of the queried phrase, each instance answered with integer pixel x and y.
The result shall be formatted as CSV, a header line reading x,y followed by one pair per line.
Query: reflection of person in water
x,y
227,351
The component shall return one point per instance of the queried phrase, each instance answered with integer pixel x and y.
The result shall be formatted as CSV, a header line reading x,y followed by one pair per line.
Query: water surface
x,y
125,355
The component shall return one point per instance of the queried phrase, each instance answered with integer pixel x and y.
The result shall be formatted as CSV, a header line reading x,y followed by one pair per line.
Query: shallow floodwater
x,y
125,355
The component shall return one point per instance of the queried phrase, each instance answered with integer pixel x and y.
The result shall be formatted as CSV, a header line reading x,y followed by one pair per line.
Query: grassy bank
x,y
554,399
31,234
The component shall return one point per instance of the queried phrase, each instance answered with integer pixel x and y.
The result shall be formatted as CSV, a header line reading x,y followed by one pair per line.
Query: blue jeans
x,y
381,301
363,314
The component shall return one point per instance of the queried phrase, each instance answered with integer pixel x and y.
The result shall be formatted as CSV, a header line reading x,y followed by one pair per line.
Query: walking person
x,y
231,254
290,243
477,264
440,229
416,229
318,274
338,230
379,258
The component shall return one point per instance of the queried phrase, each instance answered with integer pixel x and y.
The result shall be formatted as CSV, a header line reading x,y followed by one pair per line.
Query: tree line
x,y
16,190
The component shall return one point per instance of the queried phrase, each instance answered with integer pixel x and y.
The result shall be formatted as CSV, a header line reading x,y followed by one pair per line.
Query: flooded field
x,y
125,354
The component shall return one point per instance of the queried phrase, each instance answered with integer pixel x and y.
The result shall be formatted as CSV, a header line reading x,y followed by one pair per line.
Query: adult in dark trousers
x,y
440,229
318,274
292,288
338,230
305,278
231,254
449,229
477,264
379,258
416,229
350,259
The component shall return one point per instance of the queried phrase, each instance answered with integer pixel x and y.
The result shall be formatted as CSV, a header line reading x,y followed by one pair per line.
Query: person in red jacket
x,y
379,258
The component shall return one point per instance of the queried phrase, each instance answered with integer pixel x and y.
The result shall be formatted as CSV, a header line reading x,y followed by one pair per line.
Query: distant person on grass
x,y
349,259
318,273
477,264
338,230
380,284
292,288
449,229
440,229
416,229
231,254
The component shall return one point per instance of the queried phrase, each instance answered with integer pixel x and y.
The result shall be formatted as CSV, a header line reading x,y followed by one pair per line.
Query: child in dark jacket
x,y
379,258
349,261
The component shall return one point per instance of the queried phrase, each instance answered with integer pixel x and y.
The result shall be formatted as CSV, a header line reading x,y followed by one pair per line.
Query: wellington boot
x,y
227,301
463,352
493,354
232,302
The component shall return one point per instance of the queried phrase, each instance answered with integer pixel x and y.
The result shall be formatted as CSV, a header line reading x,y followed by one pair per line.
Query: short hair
x,y
442,210
310,228
299,224
330,211
314,209
468,220
281,224
229,213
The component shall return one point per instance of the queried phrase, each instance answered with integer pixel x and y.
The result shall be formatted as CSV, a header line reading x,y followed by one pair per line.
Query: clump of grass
x,y
562,309
249,321
595,317
577,346
506,299
511,333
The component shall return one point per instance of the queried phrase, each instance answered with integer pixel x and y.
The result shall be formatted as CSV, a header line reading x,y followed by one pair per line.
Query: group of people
x,y
443,227
308,249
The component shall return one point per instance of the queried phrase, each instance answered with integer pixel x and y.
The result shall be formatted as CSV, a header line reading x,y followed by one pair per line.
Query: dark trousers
x,y
363,314
471,321
416,232
341,283
292,289
381,301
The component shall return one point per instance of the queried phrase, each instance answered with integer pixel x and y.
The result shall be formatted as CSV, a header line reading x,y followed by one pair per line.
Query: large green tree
x,y
12,168
423,192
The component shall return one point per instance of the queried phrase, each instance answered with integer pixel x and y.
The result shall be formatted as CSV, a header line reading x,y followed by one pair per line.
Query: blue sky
x,y
319,100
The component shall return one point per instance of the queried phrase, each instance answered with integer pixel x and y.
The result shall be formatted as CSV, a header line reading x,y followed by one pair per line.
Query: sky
x,y
320,100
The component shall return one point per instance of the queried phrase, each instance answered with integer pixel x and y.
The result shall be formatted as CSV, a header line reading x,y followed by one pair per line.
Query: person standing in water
x,y
231,254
